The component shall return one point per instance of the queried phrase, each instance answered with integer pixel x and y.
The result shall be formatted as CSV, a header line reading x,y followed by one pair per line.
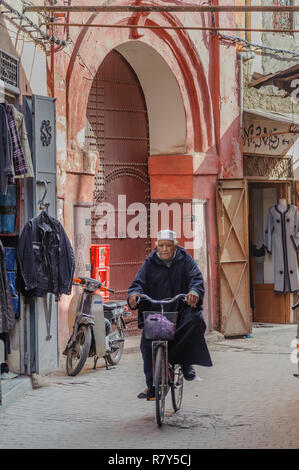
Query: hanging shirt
x,y
283,230
20,167
23,137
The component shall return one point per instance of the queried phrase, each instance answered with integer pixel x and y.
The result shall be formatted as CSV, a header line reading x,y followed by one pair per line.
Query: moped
x,y
98,327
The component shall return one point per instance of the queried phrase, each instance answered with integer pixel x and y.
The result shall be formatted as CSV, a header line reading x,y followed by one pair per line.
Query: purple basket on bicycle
x,y
160,327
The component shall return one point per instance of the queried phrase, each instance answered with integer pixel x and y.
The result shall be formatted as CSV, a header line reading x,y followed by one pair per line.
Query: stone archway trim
x,y
202,126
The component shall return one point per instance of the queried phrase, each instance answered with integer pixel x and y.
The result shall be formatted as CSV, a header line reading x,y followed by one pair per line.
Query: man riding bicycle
x,y
169,270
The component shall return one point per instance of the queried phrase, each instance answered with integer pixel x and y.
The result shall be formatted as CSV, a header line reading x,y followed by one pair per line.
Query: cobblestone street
x,y
249,399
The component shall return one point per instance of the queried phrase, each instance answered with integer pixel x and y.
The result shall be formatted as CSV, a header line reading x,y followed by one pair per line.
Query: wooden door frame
x,y
226,307
282,191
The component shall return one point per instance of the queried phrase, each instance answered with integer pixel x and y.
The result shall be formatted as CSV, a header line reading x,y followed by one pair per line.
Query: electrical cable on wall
x,y
237,39
29,22
60,42
257,46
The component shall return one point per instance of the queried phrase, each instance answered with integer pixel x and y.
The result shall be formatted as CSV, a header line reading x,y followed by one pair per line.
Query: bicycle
x,y
159,326
295,307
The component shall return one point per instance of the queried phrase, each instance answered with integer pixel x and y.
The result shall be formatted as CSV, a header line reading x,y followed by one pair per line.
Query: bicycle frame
x,y
155,346
169,372
164,344
295,307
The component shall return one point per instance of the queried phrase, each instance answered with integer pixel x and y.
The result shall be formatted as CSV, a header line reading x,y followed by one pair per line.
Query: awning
x,y
281,117
281,79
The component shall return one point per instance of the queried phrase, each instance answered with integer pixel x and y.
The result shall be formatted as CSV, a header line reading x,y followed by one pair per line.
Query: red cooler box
x,y
99,258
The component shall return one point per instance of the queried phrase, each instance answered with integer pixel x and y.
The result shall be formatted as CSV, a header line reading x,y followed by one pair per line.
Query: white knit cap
x,y
167,235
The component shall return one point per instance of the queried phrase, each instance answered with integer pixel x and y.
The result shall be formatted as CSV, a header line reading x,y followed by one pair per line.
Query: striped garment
x,y
20,167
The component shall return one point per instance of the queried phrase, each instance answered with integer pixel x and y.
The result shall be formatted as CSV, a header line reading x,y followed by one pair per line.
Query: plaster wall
x,y
270,98
162,96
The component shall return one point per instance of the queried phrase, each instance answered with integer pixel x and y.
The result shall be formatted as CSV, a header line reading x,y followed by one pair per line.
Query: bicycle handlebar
x,y
160,302
295,306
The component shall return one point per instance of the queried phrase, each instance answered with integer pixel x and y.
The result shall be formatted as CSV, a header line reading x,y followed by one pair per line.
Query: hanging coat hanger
x,y
44,206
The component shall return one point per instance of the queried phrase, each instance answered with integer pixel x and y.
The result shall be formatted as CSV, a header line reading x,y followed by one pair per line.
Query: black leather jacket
x,y
45,258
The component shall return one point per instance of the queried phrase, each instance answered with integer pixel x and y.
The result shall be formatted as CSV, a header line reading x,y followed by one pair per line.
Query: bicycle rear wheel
x,y
177,387
160,385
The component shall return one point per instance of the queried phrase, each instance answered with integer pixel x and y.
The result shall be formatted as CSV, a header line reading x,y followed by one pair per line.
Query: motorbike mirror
x,y
106,289
77,281
103,288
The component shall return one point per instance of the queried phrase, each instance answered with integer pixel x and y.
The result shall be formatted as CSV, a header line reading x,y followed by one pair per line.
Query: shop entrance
x,y
267,306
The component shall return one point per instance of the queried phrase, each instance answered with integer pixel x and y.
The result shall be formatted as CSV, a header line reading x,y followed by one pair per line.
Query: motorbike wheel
x,y
77,355
114,357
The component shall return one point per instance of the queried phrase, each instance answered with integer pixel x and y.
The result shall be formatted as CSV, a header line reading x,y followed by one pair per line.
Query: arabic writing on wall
x,y
257,139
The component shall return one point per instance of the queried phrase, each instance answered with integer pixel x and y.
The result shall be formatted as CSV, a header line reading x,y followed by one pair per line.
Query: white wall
x,y
162,96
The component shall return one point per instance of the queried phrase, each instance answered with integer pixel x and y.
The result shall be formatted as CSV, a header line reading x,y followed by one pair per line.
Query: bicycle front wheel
x,y
160,385
177,388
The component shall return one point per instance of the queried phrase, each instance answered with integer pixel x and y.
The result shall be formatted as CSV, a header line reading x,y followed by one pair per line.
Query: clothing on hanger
x,y
255,251
45,258
5,338
23,137
7,315
20,167
6,170
283,233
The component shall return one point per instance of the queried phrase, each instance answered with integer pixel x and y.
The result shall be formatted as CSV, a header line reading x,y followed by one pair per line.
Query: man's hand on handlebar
x,y
192,299
133,300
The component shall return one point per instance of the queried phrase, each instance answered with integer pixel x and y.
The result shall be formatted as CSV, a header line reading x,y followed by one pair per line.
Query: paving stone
x,y
248,399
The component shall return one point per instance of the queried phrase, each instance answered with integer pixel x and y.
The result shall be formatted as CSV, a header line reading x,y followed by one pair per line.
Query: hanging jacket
x,y
45,258
7,315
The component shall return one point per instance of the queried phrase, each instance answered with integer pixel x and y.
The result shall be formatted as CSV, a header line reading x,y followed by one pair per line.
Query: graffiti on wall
x,y
261,138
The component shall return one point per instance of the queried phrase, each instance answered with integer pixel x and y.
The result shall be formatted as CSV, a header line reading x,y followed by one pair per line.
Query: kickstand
x,y
107,364
95,359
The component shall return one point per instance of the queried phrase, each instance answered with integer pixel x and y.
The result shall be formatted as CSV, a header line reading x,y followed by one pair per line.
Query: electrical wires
x,y
237,39
48,38
29,23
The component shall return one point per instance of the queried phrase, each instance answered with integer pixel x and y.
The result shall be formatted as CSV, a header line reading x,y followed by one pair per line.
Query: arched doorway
x,y
117,127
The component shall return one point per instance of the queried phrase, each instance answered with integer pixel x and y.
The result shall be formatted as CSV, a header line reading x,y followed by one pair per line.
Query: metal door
x,y
117,128
233,257
42,316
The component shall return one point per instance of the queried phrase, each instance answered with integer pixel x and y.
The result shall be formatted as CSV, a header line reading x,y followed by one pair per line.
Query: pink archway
x,y
175,48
